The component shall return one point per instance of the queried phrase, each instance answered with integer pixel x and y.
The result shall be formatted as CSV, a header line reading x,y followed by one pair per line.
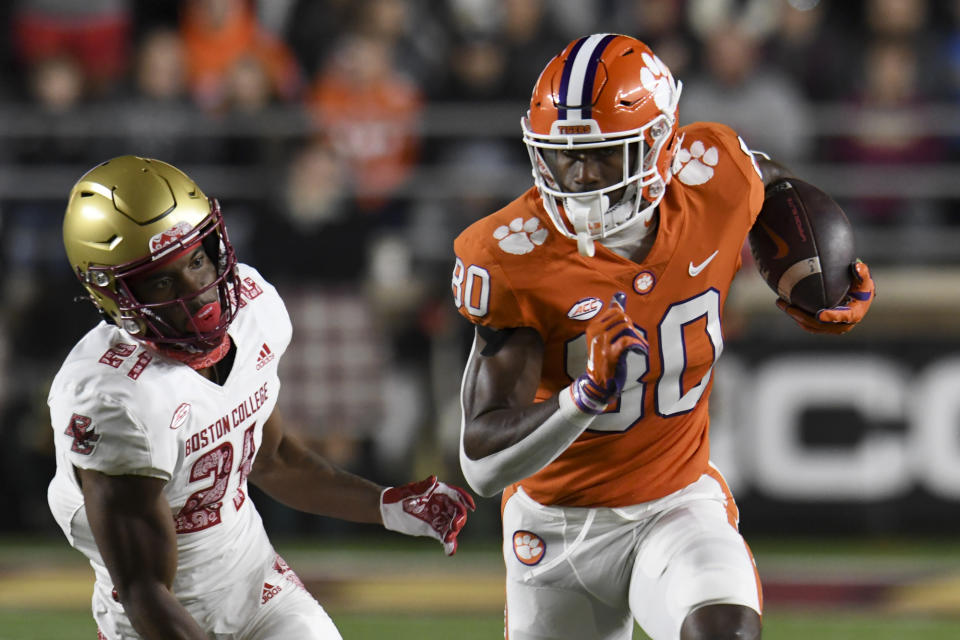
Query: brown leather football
x,y
803,245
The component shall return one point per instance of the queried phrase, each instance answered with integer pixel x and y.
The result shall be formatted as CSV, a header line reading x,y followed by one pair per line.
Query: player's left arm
x,y
854,306
292,473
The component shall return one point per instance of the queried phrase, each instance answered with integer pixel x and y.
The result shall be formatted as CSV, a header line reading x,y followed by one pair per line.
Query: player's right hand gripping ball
x,y
427,508
847,314
610,337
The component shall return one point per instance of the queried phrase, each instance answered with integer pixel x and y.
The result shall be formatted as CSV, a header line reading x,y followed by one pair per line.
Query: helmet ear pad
x,y
664,164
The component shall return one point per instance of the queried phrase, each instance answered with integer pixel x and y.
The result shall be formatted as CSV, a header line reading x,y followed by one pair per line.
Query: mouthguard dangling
x,y
585,213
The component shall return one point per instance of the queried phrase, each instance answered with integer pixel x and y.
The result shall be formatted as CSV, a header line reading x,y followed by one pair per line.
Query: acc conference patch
x,y
585,308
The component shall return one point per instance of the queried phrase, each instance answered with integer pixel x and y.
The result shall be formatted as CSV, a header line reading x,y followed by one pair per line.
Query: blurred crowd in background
x,y
349,141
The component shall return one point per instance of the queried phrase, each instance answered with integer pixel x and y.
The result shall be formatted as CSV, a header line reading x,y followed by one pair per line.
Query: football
x,y
803,245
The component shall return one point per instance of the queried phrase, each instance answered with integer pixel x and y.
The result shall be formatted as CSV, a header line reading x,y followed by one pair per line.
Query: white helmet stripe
x,y
578,76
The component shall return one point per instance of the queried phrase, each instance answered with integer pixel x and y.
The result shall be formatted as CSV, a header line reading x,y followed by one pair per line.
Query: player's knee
x,y
721,622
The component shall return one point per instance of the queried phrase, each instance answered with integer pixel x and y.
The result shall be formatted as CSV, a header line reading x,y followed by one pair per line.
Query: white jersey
x,y
120,408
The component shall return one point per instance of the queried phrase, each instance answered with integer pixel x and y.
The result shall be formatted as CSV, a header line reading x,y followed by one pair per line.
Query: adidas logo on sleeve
x,y
265,356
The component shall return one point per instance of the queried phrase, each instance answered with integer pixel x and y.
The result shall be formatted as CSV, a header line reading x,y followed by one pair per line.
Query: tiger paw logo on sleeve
x,y
528,547
695,165
521,236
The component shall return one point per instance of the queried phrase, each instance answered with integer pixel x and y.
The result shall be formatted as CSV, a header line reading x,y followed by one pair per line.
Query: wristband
x,y
572,407
586,396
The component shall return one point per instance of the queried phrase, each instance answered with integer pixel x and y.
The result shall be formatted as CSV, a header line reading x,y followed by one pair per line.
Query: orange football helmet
x,y
603,91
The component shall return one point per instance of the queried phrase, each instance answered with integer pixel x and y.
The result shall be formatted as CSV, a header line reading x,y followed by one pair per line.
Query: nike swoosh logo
x,y
780,243
695,269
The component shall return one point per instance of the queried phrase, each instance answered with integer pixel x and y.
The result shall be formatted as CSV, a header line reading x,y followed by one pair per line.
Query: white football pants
x,y
575,573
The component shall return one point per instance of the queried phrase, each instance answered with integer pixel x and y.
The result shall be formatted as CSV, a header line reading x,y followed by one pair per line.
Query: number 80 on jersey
x,y
471,288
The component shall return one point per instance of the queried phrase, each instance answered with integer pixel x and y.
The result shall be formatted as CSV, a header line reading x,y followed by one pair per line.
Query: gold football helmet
x,y
125,216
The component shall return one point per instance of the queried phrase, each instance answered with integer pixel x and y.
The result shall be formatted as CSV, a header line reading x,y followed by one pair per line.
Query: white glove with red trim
x,y
427,508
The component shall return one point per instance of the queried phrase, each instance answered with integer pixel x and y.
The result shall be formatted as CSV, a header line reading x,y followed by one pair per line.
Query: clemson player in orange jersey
x,y
597,298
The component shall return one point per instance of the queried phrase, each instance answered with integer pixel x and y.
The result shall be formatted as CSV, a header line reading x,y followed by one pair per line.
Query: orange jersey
x,y
513,269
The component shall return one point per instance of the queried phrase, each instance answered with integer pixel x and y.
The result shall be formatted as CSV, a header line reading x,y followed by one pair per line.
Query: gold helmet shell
x,y
123,216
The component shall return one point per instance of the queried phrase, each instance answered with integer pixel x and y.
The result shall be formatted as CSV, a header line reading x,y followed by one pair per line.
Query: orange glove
x,y
839,319
610,337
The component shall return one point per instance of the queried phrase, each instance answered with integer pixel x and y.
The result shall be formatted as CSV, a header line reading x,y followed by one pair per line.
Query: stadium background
x,y
350,140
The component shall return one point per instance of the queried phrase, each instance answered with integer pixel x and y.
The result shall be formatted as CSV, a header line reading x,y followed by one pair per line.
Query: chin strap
x,y
198,361
204,320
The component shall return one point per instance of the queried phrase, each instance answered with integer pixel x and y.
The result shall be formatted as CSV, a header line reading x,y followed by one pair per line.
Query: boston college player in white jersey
x,y
164,410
